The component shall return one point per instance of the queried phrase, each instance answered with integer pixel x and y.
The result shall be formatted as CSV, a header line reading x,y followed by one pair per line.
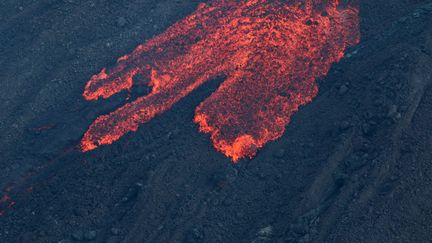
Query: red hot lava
x,y
270,51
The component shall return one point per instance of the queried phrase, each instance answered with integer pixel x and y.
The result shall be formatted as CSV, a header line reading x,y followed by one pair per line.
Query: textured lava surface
x,y
270,52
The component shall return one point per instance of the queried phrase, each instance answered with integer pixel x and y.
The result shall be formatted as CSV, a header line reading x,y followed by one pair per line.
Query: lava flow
x,y
270,51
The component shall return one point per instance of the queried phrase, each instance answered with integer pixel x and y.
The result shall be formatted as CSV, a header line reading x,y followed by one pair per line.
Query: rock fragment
x,y
121,21
78,235
343,89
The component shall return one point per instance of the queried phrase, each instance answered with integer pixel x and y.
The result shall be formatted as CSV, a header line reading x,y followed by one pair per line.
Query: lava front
x,y
270,51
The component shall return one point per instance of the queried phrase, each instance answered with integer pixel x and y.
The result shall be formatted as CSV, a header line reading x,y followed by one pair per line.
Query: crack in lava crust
x,y
271,52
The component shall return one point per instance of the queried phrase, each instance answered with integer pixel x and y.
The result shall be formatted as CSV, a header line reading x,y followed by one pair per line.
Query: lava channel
x,y
270,51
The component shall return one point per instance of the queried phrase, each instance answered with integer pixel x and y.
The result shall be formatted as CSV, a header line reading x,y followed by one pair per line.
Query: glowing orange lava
x,y
270,51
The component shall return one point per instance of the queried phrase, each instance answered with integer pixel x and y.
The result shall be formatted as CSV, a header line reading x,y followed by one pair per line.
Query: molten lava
x,y
270,51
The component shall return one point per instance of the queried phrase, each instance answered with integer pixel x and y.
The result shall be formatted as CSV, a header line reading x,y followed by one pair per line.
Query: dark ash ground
x,y
353,166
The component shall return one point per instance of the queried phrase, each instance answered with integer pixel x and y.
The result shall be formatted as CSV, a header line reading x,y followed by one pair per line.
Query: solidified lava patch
x,y
270,51
6,202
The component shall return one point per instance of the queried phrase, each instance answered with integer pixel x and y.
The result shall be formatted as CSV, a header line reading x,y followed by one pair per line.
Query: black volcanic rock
x,y
352,166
